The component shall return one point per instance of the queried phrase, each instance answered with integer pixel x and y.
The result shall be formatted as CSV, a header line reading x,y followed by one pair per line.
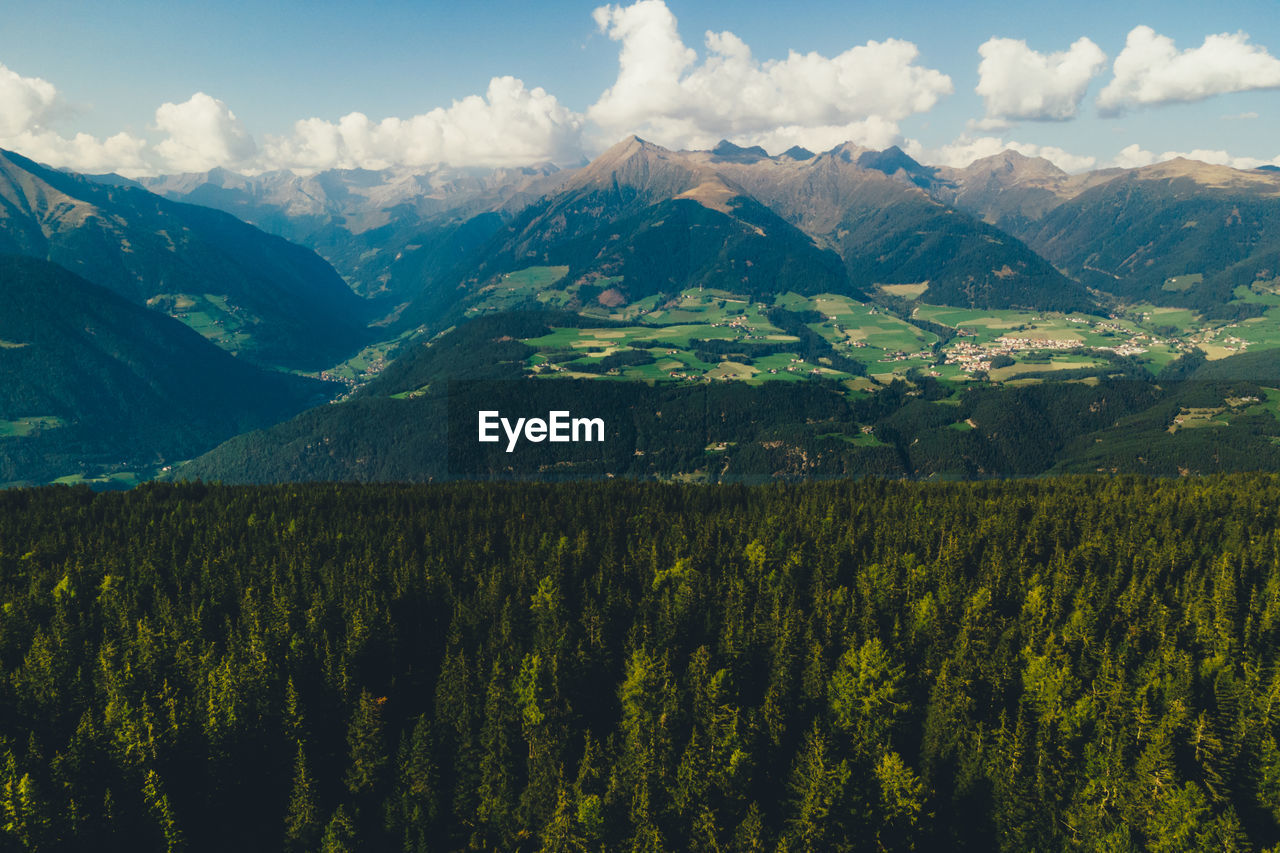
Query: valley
x,y
933,322
657,339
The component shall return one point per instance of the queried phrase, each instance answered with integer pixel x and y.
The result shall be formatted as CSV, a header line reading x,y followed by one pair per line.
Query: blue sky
x,y
84,83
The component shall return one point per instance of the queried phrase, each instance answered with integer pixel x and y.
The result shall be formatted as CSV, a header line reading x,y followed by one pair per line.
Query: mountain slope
x,y
873,209
88,379
366,222
1010,190
1134,234
277,302
643,220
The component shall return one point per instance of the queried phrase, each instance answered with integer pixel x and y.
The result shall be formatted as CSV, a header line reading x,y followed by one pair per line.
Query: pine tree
x,y
366,745
302,819
414,803
339,834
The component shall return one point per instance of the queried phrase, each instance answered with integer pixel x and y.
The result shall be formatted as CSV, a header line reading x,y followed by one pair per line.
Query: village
x,y
973,357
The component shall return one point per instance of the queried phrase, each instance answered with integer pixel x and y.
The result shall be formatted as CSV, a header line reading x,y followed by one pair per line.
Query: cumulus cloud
x,y
964,150
1135,156
665,94
201,133
122,153
25,102
1017,82
509,126
1150,70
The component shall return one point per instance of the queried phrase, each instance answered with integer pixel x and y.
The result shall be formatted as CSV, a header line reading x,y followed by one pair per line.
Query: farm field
x,y
1057,363
118,480
517,288
210,315
666,330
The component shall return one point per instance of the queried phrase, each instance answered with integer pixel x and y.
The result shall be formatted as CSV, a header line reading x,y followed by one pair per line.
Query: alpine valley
x,y
729,314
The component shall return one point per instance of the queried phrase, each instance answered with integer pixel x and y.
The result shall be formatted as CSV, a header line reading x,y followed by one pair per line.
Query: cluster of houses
x,y
902,355
973,357
970,357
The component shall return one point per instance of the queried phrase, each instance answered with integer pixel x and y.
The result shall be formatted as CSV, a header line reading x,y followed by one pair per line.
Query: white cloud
x,y
25,102
964,150
510,126
26,106
663,93
1150,70
122,153
202,133
1017,82
1135,156
1249,116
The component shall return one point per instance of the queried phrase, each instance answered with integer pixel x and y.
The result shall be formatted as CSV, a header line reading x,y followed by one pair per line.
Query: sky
x,y
143,88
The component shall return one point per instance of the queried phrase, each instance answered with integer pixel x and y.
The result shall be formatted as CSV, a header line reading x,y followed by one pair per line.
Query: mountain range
x,y
299,273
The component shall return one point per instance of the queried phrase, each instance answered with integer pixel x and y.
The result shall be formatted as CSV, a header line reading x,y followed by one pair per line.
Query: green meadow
x,y
890,347
22,427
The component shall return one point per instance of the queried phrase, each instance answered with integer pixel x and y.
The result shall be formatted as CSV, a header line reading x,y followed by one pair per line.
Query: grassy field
x,y
1183,319
1270,404
1013,371
864,332
120,479
26,426
987,325
862,439
368,362
1257,332
906,291
210,315
889,346
516,288
1180,283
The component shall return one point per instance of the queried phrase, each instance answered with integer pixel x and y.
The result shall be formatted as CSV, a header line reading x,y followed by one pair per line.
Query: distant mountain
x,y
382,230
252,292
90,382
414,238
1176,233
1011,190
876,210
641,220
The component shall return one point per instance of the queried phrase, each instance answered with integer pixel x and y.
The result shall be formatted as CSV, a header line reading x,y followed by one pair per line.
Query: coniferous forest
x,y
1080,663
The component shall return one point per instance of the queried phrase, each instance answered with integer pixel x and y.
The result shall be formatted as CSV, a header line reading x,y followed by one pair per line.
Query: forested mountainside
x,y
249,291
366,223
417,421
90,382
648,219
1176,233
858,666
